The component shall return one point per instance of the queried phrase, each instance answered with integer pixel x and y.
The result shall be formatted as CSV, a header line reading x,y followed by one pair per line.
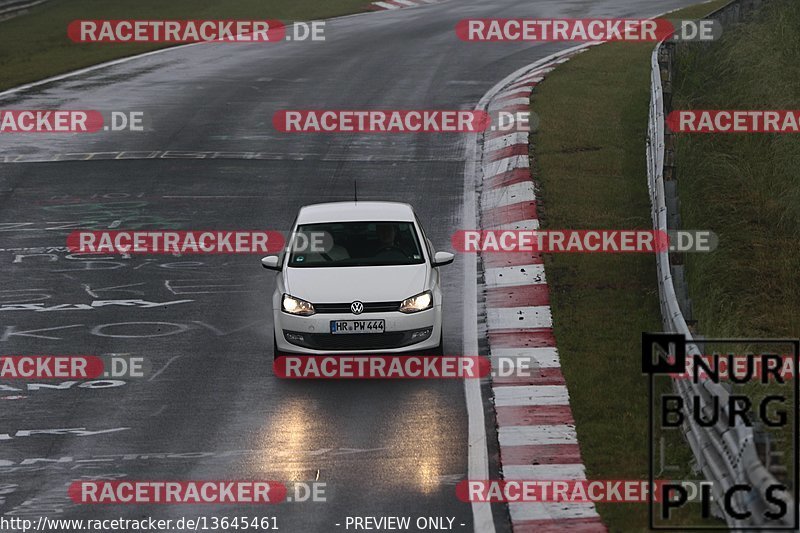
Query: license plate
x,y
357,326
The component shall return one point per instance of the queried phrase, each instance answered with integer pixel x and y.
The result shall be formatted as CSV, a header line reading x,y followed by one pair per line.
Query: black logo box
x,y
653,367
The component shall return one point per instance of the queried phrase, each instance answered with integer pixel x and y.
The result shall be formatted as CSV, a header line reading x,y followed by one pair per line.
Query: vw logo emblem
x,y
357,307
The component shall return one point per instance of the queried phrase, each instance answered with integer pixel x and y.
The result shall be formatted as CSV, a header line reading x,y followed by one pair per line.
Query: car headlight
x,y
296,306
420,302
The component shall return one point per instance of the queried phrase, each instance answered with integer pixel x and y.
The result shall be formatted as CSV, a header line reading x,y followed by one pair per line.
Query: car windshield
x,y
341,244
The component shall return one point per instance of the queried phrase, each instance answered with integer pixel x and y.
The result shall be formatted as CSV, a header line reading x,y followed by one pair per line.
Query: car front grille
x,y
367,341
369,307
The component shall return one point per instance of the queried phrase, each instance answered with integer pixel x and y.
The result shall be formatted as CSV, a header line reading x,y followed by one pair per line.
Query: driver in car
x,y
388,247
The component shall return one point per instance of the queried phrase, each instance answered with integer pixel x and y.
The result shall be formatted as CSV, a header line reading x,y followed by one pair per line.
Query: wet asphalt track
x,y
214,410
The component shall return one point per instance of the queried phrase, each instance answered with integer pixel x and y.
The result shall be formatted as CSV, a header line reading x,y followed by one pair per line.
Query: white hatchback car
x,y
357,277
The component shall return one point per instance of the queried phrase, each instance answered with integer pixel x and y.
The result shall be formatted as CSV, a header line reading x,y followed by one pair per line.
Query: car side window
x,y
426,240
285,252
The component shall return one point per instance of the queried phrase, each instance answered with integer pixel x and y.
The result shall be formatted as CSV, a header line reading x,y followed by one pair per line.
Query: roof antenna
x,y
355,191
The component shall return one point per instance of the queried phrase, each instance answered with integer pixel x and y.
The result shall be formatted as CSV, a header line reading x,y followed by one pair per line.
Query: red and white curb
x,y
536,430
399,4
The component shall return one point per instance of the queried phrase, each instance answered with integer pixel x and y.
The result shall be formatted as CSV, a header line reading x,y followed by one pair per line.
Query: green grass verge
x,y
745,187
589,158
35,46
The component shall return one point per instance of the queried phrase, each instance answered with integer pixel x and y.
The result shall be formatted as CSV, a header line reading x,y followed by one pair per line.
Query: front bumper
x,y
403,333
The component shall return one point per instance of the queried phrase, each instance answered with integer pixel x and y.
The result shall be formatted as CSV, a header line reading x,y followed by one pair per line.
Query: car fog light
x,y
421,333
294,337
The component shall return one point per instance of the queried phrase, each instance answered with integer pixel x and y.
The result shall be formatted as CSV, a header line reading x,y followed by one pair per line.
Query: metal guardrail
x,y
724,455
12,8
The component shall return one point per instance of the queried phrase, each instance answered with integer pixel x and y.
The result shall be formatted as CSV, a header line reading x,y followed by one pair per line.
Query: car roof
x,y
355,212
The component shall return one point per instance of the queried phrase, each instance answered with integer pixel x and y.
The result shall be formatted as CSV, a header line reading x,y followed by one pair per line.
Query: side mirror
x,y
271,262
442,258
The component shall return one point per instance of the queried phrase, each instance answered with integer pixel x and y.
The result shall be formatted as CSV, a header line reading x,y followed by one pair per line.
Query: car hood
x,y
347,284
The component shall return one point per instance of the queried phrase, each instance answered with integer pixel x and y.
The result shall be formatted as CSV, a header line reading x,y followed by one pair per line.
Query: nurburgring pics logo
x,y
759,399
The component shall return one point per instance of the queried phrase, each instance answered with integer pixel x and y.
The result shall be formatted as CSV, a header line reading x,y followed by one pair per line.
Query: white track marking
x,y
551,511
477,452
533,317
534,79
510,92
520,365
160,410
546,472
505,141
531,395
154,376
538,357
508,195
535,435
212,196
500,104
384,5
515,275
521,225
478,461
506,164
